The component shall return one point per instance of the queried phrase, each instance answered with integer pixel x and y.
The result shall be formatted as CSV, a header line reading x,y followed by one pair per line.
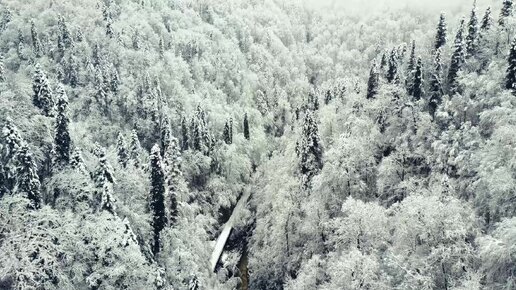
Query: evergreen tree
x,y
228,131
246,127
392,71
62,140
115,81
65,34
457,60
27,177
135,149
121,149
374,81
506,11
42,97
411,68
104,179
175,181
440,38
36,43
185,142
2,68
309,150
72,72
436,87
109,29
96,55
472,37
10,143
77,162
165,135
487,20
384,61
157,197
510,79
417,86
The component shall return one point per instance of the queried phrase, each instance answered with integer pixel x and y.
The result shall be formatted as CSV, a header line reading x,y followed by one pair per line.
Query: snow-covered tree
x,y
457,60
104,179
27,179
246,127
472,37
510,78
374,81
62,140
487,20
505,12
436,85
309,150
121,150
157,200
135,149
417,86
42,93
440,38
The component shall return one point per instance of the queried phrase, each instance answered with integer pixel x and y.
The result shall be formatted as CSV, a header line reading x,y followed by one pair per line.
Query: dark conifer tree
x,y
77,162
246,127
440,38
109,28
328,97
165,135
417,86
373,82
135,149
457,60
309,150
121,150
104,179
472,37
175,181
36,43
185,142
10,143
115,80
506,11
436,86
384,61
72,72
2,68
510,79
42,97
409,82
27,177
62,140
65,34
227,133
487,20
157,198
392,71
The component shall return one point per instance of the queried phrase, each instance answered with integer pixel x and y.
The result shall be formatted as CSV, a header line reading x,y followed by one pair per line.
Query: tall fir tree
x,y
374,81
505,12
2,68
65,34
457,60
309,150
104,179
472,37
10,143
77,162
42,97
246,127
228,132
165,135
417,86
62,140
436,85
157,197
27,179
135,149
36,43
121,150
185,142
440,37
487,20
392,70
411,68
175,181
510,78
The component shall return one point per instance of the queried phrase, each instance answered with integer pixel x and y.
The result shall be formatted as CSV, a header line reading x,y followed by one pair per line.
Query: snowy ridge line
x,y
226,231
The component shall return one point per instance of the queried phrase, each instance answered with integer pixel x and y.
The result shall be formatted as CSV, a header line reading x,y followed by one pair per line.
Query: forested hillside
x,y
378,149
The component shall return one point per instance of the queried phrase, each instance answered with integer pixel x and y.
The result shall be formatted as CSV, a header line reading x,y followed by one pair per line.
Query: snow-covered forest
x,y
373,149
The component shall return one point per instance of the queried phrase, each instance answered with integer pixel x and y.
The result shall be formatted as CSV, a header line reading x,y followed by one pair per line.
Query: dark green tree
x,y
10,143
175,180
440,38
309,150
417,86
457,60
436,85
65,34
135,149
510,78
121,150
36,43
228,131
165,135
374,81
77,162
506,12
185,142
104,179
42,97
2,68
392,70
472,37
157,197
27,180
246,127
487,20
62,140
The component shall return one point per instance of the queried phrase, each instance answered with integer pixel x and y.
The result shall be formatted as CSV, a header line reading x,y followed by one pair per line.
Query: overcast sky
x,y
367,6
